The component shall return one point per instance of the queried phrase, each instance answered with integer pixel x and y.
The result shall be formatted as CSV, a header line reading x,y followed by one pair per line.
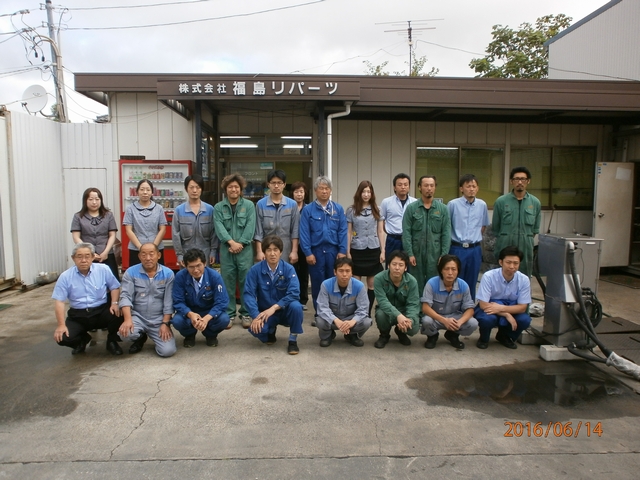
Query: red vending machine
x,y
167,178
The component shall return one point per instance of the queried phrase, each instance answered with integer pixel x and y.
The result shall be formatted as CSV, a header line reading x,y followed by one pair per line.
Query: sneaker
x,y
482,345
230,323
354,340
505,340
212,341
382,341
246,321
293,349
431,341
454,339
189,341
402,337
328,341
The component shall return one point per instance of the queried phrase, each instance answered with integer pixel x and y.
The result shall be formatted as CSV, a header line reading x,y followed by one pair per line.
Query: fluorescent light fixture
x,y
234,137
293,146
292,137
437,148
239,145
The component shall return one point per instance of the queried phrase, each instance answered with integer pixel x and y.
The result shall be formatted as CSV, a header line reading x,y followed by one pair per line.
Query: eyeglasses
x,y
276,184
519,179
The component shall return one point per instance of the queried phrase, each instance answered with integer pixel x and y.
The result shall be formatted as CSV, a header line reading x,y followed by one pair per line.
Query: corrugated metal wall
x,y
604,48
7,264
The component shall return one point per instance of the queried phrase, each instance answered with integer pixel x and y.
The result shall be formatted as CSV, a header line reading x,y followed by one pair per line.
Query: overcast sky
x,y
289,36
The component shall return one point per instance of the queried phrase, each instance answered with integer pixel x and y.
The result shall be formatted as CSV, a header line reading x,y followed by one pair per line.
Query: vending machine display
x,y
168,191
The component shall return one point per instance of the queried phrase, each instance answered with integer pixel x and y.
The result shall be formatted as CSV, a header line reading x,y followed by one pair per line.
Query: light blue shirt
x,y
458,300
493,286
467,219
85,291
391,211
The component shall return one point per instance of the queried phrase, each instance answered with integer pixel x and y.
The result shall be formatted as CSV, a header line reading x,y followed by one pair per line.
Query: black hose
x,y
536,271
580,353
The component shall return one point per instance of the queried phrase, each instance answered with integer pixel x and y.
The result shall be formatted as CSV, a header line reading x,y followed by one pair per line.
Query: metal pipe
x,y
346,112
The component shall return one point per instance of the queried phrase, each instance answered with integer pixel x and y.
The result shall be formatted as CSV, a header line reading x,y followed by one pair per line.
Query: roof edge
x,y
579,23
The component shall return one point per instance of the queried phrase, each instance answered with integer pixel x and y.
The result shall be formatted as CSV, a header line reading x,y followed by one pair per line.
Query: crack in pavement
x,y
378,438
144,410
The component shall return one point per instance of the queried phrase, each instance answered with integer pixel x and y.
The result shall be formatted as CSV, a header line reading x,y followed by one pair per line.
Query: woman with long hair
x,y
95,224
365,235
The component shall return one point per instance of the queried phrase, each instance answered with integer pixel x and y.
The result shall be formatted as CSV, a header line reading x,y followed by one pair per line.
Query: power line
x,y
451,48
139,6
198,20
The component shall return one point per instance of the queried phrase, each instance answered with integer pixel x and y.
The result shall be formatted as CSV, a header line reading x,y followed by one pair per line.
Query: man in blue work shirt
x,y
343,305
85,285
469,219
200,299
278,215
391,211
271,294
147,304
323,236
503,298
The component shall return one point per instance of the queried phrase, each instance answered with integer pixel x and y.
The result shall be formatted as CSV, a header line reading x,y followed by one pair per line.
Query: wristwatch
x,y
168,324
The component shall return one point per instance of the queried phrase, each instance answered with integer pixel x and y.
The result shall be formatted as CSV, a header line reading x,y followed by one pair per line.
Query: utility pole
x,y
409,31
56,55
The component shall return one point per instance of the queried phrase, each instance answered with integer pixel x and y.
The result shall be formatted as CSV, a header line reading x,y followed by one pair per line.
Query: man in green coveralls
x,y
426,232
516,218
235,221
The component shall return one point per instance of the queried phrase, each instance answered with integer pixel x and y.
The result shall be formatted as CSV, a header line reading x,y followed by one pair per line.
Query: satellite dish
x,y
34,98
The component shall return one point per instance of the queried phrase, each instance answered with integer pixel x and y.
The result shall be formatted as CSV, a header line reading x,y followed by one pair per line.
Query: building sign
x,y
253,88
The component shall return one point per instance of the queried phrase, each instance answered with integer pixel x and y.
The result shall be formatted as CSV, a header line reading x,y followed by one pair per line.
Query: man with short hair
x,y
516,218
398,301
85,285
392,210
447,305
503,298
272,294
323,236
343,305
278,215
469,219
235,221
147,304
200,299
426,232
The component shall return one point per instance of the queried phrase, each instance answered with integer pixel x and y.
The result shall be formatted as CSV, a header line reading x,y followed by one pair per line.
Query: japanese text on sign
x,y
239,89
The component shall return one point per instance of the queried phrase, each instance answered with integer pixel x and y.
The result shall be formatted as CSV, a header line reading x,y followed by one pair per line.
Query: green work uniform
x,y
393,301
426,235
239,226
516,222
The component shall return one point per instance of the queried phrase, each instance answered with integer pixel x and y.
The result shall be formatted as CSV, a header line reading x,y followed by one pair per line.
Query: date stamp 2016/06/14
x,y
553,429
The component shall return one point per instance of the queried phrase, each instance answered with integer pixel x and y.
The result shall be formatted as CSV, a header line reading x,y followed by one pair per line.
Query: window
x,y
448,164
560,176
265,145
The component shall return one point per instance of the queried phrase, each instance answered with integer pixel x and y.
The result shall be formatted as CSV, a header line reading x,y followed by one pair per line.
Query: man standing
x,y
278,215
323,236
235,220
516,218
200,299
272,295
469,218
426,232
85,286
398,301
146,303
392,210
503,298
447,305
343,305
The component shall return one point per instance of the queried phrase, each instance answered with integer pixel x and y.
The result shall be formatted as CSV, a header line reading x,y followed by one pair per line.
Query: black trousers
x,y
302,270
80,321
112,264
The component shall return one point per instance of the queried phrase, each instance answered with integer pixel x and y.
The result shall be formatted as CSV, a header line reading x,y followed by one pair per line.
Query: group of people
x,y
432,253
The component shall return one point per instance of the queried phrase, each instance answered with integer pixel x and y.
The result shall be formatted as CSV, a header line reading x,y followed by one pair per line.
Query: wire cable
x,y
114,7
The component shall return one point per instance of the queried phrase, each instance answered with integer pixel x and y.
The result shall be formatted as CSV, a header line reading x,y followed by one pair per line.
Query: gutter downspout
x,y
329,138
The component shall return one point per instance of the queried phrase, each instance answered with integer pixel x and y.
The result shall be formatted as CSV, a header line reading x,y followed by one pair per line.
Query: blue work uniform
x,y
206,297
189,230
352,305
467,221
265,288
150,299
323,234
494,288
451,304
282,220
88,302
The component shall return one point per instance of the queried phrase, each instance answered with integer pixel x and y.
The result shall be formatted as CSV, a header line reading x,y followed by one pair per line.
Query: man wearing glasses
x,y
277,215
516,218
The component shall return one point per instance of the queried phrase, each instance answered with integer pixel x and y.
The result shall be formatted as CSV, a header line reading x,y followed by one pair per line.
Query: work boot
x,y
383,339
353,339
432,340
454,339
403,338
327,341
136,346
189,341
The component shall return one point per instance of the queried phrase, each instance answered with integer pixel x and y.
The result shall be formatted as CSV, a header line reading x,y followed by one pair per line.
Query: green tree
x,y
417,67
520,53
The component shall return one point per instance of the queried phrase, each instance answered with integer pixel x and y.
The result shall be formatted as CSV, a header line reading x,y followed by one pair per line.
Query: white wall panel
x,y
8,271
148,109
